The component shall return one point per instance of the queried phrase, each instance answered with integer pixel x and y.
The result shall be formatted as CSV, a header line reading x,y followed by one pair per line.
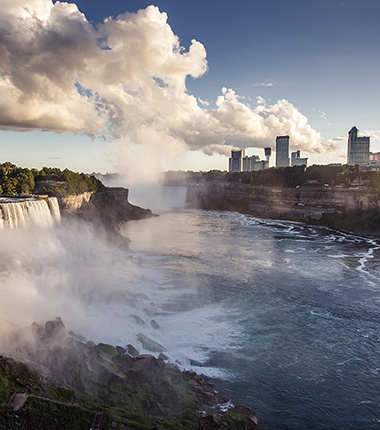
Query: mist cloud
x,y
125,77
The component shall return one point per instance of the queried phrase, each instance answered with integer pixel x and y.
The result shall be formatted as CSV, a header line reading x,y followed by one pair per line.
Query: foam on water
x,y
260,305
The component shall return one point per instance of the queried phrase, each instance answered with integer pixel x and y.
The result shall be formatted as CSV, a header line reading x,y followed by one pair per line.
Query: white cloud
x,y
263,84
203,102
373,134
126,76
260,100
323,115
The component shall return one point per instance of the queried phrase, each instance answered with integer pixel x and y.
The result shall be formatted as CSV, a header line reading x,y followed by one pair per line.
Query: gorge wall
x,y
74,202
307,204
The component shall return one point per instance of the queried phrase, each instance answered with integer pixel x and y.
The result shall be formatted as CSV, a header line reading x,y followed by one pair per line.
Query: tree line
x,y
316,175
55,182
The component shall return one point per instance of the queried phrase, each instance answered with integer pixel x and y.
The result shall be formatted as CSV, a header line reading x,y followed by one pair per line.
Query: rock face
x,y
112,204
73,203
298,204
108,208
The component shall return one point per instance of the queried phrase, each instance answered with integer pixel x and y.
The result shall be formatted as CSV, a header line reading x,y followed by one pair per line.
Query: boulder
x,y
144,363
121,350
137,320
150,344
132,351
154,324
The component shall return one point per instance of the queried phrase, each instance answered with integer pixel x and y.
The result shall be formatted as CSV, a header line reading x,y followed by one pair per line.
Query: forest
x,y
49,181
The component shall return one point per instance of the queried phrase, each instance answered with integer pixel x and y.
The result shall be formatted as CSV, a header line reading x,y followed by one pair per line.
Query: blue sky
x,y
321,56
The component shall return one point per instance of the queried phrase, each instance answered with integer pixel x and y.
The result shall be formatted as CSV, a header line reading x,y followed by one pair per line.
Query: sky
x,y
134,86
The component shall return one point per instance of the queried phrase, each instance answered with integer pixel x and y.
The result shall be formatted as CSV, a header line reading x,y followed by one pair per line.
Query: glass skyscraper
x,y
282,151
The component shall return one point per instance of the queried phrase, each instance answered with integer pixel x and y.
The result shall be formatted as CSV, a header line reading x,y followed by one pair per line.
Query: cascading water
x,y
54,208
19,212
174,197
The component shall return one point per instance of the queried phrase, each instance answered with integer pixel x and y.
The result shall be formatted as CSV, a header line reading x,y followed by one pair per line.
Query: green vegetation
x,y
159,397
360,221
42,414
15,180
51,181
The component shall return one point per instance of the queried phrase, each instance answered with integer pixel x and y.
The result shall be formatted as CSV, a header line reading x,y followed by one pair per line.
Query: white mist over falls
x,y
284,315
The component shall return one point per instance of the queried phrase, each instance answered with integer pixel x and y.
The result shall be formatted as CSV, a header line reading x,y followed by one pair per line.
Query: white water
x,y
261,304
16,212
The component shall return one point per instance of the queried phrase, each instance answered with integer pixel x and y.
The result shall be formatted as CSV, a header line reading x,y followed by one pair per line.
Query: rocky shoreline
x,y
54,379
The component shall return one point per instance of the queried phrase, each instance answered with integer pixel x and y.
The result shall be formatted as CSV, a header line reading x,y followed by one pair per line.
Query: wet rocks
x,y
150,344
132,351
137,320
154,324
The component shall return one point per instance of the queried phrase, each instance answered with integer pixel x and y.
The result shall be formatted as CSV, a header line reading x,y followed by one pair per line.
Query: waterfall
x,y
158,198
54,208
19,212
175,197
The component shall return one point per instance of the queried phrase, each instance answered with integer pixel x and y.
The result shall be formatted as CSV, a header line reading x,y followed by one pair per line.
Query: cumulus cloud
x,y
125,77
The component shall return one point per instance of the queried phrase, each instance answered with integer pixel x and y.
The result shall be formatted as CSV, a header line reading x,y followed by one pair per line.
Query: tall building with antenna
x,y
268,153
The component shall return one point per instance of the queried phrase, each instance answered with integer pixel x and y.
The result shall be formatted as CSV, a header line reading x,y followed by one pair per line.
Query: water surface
x,y
285,315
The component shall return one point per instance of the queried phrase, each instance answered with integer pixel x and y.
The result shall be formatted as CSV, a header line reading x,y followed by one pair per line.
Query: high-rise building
x,y
253,164
296,160
236,161
282,151
268,153
249,163
357,148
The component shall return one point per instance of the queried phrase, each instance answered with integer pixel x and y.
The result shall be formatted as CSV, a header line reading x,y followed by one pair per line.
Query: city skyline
x,y
204,78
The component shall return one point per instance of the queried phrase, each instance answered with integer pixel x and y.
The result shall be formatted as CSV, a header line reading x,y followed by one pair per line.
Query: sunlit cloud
x,y
260,100
126,79
203,102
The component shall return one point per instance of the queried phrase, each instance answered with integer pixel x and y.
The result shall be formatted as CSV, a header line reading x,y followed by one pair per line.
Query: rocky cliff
x,y
108,207
323,205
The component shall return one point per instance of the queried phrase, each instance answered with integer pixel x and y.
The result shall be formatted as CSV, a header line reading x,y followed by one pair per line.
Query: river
x,y
283,315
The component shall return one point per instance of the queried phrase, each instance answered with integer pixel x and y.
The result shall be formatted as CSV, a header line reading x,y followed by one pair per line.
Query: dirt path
x,y
20,398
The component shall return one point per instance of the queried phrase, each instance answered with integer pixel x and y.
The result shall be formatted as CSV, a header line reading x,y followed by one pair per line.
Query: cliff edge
x,y
108,207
